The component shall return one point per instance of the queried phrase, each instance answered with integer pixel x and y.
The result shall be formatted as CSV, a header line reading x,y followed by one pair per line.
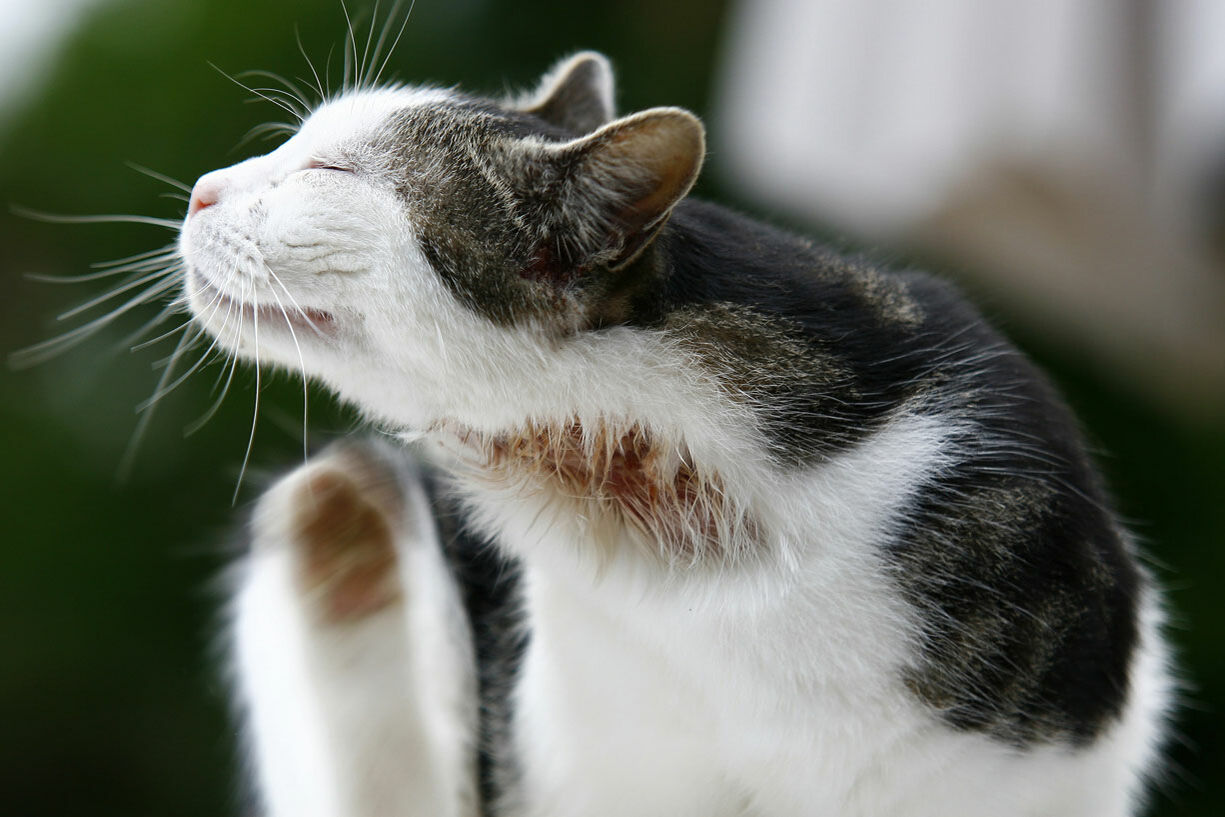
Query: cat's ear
x,y
620,183
577,95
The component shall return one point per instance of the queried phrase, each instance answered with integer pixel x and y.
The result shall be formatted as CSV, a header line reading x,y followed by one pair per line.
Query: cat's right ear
x,y
576,95
614,188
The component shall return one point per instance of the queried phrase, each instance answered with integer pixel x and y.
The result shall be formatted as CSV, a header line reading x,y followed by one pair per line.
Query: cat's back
x,y
1032,630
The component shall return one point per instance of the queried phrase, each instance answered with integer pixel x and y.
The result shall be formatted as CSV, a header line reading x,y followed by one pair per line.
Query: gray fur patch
x,y
475,231
999,628
885,295
765,361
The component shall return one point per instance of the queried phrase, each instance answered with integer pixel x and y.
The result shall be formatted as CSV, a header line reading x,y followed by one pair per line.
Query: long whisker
x,y
127,287
297,33
370,54
293,88
246,458
278,102
350,49
161,177
277,95
230,362
232,309
297,308
161,391
131,339
361,76
159,262
53,218
299,107
267,130
378,75
41,352
142,424
168,250
327,70
212,308
202,420
302,367
176,304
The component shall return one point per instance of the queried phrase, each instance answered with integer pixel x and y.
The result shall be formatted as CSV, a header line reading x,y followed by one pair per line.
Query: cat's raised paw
x,y
341,515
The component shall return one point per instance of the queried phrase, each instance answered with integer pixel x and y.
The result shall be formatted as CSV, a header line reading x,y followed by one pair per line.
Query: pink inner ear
x,y
669,149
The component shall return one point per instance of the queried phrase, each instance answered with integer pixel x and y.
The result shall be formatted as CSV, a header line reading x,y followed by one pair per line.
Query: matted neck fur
x,y
828,485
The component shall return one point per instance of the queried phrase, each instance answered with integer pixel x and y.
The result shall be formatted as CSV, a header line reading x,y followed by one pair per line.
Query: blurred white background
x,y
1068,153
29,32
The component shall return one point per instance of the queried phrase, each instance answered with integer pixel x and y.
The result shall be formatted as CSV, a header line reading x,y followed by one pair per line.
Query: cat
x,y
703,518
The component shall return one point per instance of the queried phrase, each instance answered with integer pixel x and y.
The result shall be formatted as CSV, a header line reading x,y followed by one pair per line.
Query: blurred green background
x,y
111,697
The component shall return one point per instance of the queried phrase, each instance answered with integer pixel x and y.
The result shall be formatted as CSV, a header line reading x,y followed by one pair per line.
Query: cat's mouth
x,y
290,315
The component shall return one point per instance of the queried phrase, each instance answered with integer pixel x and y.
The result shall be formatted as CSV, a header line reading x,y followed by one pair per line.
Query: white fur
x,y
778,693
768,688
367,718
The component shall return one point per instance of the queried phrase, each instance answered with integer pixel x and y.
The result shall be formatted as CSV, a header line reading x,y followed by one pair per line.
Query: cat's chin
x,y
217,309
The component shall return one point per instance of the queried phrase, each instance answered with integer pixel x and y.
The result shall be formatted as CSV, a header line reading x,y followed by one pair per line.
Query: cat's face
x,y
419,250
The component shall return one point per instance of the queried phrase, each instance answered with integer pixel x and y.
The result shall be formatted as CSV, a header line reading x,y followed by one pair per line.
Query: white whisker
x,y
131,339
302,367
327,70
161,177
53,218
161,391
212,308
161,262
230,362
302,50
361,76
246,458
168,251
202,420
279,103
267,130
292,87
299,108
119,290
350,50
142,424
297,308
47,349
378,75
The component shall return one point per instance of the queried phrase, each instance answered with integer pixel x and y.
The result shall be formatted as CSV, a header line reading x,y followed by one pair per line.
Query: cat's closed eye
x,y
324,164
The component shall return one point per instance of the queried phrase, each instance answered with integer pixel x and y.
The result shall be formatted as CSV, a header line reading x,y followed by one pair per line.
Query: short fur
x,y
716,522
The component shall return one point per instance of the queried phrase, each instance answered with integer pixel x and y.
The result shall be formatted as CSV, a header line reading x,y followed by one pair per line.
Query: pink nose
x,y
206,193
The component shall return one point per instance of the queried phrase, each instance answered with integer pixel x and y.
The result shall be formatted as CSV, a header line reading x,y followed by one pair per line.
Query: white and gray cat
x,y
705,519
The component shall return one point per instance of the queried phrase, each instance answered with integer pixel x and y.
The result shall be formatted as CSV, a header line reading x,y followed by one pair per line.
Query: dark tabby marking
x,y
489,584
1028,591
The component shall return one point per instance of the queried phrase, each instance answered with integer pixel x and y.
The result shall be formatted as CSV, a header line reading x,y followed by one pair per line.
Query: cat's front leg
x,y
352,656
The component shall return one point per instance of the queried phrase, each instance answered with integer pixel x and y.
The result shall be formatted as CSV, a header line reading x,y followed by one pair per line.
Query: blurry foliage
x,y
110,693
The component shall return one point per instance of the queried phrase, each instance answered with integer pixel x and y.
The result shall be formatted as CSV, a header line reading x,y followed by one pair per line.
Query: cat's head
x,y
421,250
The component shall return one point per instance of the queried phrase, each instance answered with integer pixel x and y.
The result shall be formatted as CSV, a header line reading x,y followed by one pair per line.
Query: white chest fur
x,y
773,688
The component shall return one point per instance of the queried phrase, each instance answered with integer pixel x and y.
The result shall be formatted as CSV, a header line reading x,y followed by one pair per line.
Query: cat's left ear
x,y
577,95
